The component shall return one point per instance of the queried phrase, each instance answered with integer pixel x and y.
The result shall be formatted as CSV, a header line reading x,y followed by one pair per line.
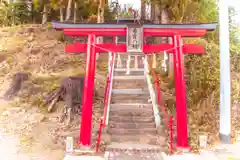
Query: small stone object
x,y
238,136
203,141
69,144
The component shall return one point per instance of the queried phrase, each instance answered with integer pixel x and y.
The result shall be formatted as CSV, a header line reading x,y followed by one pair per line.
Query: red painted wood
x,y
171,32
193,49
97,32
76,48
150,48
147,48
181,105
169,48
86,122
100,48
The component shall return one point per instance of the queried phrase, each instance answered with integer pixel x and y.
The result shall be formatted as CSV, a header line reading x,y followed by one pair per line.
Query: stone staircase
x,y
131,124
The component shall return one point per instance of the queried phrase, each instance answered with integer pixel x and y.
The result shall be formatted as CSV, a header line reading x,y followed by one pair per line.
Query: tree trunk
x,y
68,12
152,16
101,12
75,12
61,14
100,19
164,20
155,10
45,14
143,10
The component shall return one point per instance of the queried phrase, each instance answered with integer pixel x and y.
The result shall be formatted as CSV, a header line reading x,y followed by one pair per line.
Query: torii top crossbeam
x,y
142,31
185,30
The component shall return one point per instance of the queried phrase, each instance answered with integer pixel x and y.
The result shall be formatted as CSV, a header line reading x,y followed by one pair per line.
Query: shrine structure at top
x,y
134,42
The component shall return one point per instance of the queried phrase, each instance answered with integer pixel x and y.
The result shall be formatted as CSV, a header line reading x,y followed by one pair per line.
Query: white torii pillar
x,y
225,83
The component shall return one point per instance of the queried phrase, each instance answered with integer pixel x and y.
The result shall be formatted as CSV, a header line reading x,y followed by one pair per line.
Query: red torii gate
x,y
175,31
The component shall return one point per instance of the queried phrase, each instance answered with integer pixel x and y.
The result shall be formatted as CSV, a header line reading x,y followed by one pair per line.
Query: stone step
x,y
135,151
130,146
130,91
130,84
133,58
150,131
120,98
131,112
142,77
132,64
131,70
131,53
134,119
132,73
116,101
142,139
131,105
131,125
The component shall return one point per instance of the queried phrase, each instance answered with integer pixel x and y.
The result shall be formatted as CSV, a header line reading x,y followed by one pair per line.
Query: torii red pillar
x,y
181,109
86,125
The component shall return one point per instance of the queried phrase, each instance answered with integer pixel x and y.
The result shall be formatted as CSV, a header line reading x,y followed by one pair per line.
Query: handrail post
x,y
171,133
99,135
110,88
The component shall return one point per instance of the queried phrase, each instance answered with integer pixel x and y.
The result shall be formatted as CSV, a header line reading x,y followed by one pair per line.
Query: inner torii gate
x,y
135,33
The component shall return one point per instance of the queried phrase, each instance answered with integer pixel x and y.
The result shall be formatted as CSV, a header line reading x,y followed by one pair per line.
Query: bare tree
x,y
69,8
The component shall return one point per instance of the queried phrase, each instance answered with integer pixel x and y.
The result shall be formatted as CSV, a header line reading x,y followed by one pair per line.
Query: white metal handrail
x,y
110,86
152,93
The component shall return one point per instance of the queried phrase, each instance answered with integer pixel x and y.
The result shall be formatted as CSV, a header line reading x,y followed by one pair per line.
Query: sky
x,y
234,3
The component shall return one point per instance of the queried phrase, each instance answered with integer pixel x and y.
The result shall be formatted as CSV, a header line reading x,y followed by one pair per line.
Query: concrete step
x,y
131,70
135,146
116,101
131,125
135,151
142,77
142,139
150,131
131,105
132,98
131,112
130,91
132,73
124,58
130,84
132,53
139,108
132,64
134,119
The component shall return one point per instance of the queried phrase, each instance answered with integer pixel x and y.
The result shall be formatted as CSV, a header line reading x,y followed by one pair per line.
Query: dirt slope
x,y
39,51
